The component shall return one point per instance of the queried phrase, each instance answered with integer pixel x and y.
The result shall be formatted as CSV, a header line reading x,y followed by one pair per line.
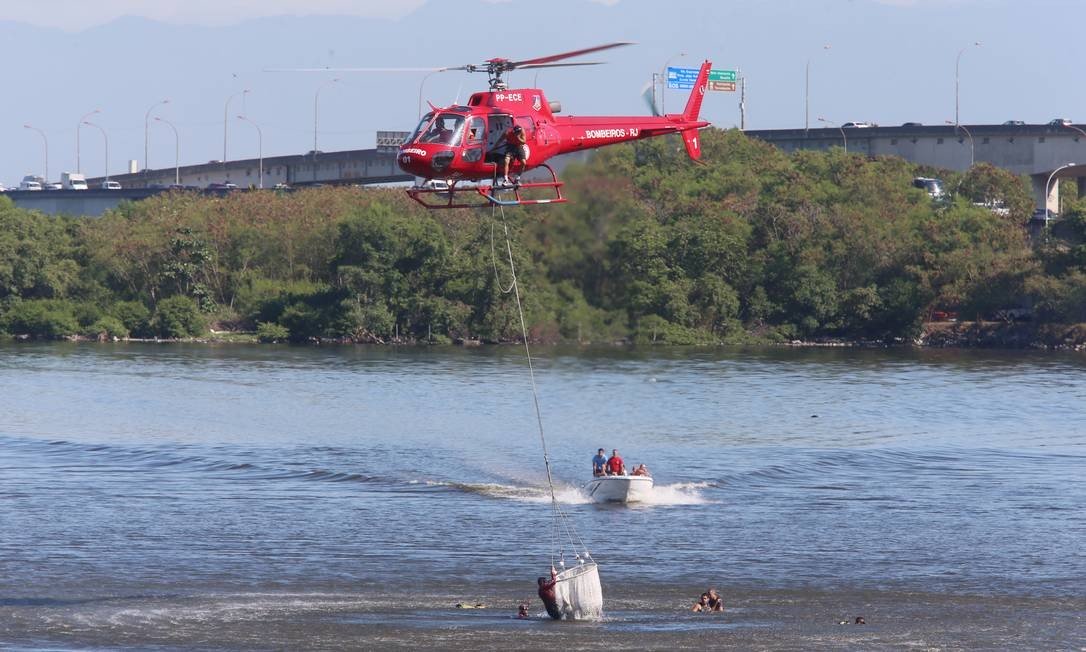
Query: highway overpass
x,y
1034,150
353,166
359,166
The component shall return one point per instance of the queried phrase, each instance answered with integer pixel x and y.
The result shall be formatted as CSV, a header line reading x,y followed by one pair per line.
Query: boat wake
x,y
566,494
680,493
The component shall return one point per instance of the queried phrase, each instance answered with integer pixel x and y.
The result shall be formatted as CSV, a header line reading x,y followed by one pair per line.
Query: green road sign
x,y
722,75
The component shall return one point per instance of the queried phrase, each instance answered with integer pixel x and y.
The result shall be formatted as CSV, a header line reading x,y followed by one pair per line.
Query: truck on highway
x,y
73,181
31,182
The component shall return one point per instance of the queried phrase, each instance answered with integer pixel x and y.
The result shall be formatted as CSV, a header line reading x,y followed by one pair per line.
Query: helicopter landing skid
x,y
495,194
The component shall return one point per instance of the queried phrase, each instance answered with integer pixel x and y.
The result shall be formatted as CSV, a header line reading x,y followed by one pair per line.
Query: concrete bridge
x,y
353,166
360,166
1034,150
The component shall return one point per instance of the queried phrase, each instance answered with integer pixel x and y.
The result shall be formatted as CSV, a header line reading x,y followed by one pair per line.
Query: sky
x,y
888,61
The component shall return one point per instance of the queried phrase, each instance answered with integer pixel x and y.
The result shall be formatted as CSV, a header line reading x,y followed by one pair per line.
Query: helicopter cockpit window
x,y
476,130
425,122
447,129
499,125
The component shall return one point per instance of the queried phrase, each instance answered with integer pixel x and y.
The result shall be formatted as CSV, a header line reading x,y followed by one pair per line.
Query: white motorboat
x,y
619,488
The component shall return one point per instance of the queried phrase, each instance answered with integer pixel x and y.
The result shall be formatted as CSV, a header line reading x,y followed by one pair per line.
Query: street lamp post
x,y
176,150
226,121
663,85
1076,129
147,133
807,95
45,149
105,138
972,148
260,148
1048,185
957,66
316,110
316,113
839,128
78,127
423,83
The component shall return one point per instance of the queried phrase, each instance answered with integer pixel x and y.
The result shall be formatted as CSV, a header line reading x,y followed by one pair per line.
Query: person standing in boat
x,y
615,465
599,464
547,595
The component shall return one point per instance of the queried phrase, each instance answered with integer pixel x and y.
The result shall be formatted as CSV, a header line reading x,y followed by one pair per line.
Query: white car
x,y
30,185
858,125
111,185
55,185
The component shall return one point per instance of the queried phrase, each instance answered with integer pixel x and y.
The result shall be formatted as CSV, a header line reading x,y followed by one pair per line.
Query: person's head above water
x,y
614,451
600,451
542,581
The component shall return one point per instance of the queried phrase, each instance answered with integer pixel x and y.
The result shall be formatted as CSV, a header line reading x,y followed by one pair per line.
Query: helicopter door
x,y
474,140
498,126
532,137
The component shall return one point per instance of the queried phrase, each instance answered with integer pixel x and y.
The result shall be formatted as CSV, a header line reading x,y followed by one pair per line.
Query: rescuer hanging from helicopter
x,y
515,148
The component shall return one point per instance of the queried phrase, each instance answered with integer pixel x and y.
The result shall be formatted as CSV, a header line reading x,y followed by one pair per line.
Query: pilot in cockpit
x,y
438,133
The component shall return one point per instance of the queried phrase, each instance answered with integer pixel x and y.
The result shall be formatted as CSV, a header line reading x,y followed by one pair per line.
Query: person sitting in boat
x,y
615,465
547,595
641,470
599,464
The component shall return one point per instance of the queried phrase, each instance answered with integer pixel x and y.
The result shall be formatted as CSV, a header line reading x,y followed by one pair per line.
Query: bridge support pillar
x,y
1052,201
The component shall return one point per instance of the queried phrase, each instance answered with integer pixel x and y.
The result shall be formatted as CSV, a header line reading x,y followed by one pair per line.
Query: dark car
x,y
222,186
1014,123
912,124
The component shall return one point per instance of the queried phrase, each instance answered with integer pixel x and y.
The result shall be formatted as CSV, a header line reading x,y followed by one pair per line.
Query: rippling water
x,y
288,498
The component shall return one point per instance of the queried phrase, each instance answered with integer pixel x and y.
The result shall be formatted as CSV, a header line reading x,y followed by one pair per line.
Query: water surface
x,y
334,498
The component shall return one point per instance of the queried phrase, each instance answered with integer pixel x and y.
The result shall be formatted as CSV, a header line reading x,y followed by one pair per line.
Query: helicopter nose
x,y
441,160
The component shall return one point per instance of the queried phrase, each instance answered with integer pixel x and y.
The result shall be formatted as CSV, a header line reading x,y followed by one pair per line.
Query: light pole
x,y
972,149
423,83
147,133
807,95
957,66
105,138
1048,184
1076,129
45,149
260,148
663,87
226,121
839,128
316,111
176,150
78,126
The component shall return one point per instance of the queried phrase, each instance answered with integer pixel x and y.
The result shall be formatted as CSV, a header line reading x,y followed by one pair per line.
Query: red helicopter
x,y
456,148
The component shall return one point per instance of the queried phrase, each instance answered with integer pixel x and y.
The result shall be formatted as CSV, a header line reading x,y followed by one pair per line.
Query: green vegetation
x,y
754,245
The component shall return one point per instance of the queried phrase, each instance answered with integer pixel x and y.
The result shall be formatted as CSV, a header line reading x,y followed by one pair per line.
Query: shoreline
x,y
1009,336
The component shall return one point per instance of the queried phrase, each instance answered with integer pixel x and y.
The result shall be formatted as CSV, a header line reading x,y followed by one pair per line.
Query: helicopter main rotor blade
x,y
559,65
363,69
566,55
